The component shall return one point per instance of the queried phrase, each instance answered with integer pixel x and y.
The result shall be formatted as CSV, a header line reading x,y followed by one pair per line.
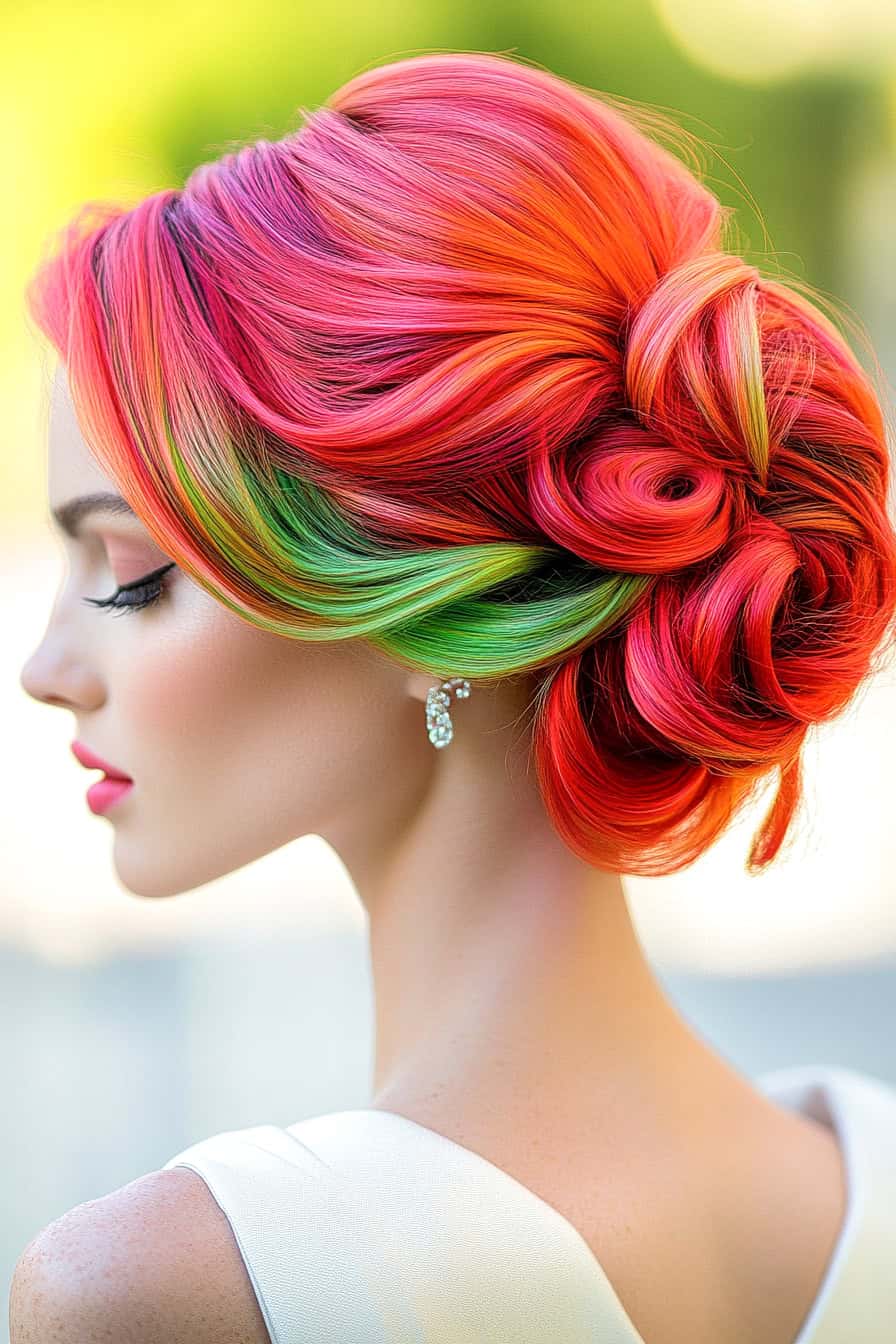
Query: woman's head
x,y
237,739
459,379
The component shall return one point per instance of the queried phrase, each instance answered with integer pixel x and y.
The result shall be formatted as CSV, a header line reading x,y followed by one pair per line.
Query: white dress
x,y
364,1227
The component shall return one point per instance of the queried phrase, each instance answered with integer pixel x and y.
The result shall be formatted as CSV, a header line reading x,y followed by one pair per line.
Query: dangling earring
x,y
438,720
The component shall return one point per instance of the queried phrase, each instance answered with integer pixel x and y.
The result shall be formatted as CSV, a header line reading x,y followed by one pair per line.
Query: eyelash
x,y
146,591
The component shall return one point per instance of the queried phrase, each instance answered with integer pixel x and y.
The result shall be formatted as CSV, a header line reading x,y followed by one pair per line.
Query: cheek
x,y
214,699
177,683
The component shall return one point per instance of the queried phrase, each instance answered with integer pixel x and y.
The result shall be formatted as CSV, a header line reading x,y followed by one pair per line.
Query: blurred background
x,y
131,1028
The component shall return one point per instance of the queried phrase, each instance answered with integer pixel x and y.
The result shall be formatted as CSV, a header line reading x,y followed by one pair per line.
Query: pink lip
x,y
90,759
106,792
102,795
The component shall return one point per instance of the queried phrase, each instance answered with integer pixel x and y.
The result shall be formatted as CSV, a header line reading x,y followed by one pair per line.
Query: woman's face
x,y
237,740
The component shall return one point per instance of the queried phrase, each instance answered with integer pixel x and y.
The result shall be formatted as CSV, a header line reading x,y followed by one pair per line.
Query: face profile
x,y
237,740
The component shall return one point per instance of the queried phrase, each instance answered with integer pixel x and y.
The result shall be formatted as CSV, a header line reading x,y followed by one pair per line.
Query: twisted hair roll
x,y
463,366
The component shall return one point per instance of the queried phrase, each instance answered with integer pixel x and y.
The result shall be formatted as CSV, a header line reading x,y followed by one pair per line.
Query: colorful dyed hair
x,y
462,367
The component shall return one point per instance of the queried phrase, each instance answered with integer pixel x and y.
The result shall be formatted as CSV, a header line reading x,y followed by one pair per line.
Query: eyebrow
x,y
70,516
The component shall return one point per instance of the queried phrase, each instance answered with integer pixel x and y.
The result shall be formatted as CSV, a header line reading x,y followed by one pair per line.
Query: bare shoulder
x,y
153,1261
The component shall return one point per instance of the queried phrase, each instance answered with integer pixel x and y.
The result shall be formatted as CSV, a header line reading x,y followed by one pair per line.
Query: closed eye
x,y
134,596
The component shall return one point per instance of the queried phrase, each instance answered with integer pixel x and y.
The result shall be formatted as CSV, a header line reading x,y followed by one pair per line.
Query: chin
x,y
143,874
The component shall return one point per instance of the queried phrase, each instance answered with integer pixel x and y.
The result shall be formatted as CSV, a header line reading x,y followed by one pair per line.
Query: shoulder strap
x,y
857,1300
298,1237
484,1258
359,1228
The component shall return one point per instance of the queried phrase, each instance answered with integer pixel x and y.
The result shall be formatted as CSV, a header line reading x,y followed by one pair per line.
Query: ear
x,y
419,684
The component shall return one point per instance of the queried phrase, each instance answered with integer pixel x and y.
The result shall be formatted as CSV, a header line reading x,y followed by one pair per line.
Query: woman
x,y
484,515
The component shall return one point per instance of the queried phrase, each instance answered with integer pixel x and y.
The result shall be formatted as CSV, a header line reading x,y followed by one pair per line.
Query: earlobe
x,y
419,685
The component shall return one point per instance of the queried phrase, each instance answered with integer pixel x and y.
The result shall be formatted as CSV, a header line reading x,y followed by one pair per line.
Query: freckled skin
x,y
154,1261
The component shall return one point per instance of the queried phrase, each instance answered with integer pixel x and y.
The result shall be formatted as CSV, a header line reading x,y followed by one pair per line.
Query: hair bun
x,y
649,741
633,503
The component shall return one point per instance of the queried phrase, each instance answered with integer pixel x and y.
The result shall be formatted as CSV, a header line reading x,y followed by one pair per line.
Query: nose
x,y
33,680
54,676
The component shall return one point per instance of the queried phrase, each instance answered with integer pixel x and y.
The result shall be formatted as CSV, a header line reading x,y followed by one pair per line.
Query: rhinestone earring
x,y
438,720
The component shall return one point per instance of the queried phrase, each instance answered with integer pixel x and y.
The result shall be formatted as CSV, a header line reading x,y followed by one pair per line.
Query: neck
x,y
507,972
